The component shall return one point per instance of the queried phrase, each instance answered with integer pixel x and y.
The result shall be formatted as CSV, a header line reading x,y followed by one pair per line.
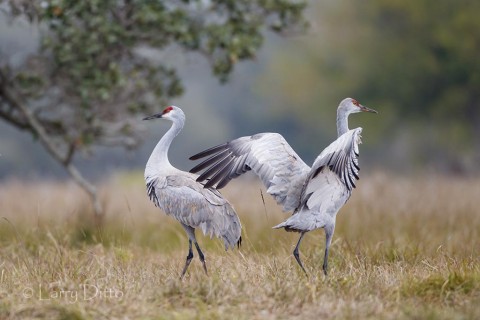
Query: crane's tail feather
x,y
229,244
287,227
278,226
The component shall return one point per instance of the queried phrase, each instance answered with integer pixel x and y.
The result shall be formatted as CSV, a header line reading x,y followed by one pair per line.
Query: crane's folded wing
x,y
198,207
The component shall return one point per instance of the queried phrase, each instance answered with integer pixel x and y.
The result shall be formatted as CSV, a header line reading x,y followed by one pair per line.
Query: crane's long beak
x,y
365,109
155,116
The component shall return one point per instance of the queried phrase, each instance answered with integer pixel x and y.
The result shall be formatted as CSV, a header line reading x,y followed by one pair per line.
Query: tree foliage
x,y
427,58
94,71
90,76
415,61
424,59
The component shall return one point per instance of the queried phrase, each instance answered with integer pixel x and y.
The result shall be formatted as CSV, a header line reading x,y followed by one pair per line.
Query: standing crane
x,y
178,194
315,194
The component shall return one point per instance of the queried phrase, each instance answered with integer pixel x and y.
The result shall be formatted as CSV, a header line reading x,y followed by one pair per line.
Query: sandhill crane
x,y
178,194
314,194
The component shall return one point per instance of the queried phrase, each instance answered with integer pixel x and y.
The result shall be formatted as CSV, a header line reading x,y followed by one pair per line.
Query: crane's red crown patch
x,y
167,109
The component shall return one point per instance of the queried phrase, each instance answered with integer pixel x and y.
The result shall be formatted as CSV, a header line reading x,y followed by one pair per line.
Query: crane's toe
x,y
325,267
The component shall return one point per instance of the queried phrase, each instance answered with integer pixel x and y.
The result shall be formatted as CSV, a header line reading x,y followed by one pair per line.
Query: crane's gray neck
x,y
159,158
342,121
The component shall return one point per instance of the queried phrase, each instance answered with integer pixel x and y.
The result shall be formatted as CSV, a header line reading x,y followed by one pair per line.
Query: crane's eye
x,y
355,102
167,110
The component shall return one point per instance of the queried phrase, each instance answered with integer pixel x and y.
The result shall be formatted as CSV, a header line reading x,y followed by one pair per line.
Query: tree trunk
x,y
8,93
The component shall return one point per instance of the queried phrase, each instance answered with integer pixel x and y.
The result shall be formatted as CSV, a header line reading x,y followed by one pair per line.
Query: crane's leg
x,y
191,238
329,229
202,257
296,255
189,258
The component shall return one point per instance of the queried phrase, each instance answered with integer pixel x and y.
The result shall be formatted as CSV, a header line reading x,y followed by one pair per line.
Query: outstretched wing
x,y
268,154
333,174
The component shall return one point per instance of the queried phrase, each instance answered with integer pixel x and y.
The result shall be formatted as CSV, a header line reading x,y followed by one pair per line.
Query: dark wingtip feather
x,y
206,176
216,172
208,152
239,242
223,170
223,182
207,185
215,158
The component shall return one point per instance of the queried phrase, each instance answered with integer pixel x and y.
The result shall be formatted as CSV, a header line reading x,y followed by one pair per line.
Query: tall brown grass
x,y
404,247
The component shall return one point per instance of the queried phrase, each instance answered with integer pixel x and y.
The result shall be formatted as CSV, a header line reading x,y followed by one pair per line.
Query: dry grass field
x,y
404,248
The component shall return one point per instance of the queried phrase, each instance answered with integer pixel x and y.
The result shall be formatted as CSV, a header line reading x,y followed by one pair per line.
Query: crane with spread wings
x,y
314,194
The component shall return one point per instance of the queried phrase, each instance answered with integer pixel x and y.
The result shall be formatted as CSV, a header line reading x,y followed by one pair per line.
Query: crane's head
x,y
349,105
171,113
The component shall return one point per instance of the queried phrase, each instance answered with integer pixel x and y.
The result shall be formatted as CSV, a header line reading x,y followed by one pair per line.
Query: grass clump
x,y
447,288
404,256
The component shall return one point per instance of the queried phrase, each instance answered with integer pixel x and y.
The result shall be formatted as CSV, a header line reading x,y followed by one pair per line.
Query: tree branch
x,y
7,116
9,94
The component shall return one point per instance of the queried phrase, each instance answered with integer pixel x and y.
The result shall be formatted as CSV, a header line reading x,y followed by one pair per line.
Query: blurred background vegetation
x,y
416,62
88,71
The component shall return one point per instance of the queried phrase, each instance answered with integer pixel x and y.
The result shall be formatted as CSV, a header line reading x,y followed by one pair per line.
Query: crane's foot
x,y
297,257
205,267
202,257
188,261
325,258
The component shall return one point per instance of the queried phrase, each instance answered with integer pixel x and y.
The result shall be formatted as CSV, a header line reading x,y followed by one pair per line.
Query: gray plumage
x,y
179,195
315,194
268,155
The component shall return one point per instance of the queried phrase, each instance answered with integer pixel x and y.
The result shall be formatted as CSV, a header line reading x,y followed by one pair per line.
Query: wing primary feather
x,y
355,175
352,168
316,172
267,154
215,158
356,165
352,183
226,179
345,169
331,157
209,151
213,169
220,175
240,167
237,169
